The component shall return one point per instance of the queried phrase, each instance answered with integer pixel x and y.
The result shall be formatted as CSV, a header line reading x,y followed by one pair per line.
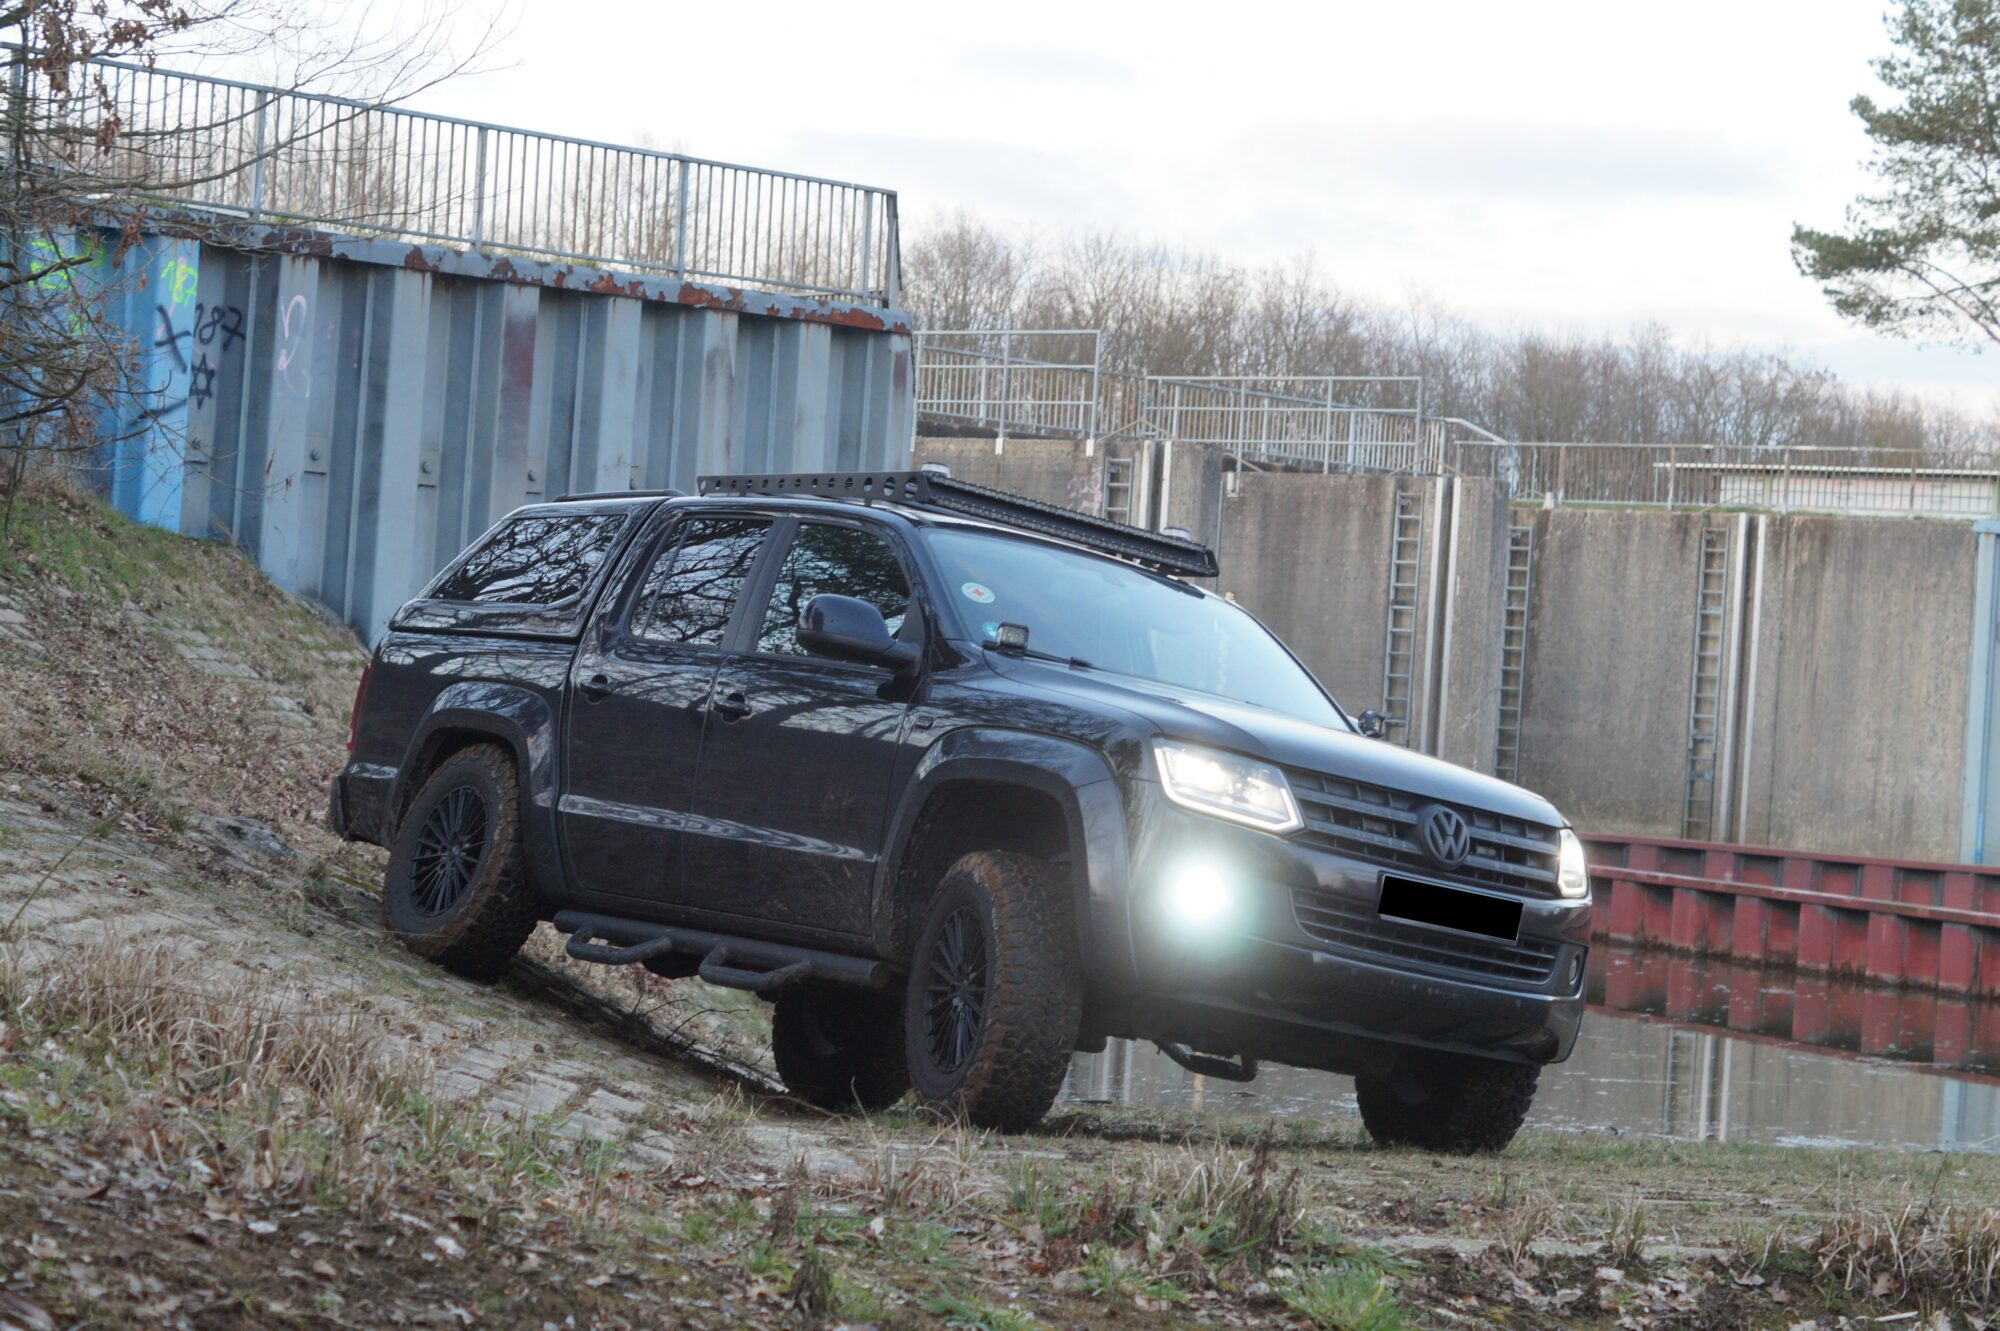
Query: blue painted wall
x,y
354,414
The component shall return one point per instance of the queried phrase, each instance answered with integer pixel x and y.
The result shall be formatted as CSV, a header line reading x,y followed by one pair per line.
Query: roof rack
x,y
932,490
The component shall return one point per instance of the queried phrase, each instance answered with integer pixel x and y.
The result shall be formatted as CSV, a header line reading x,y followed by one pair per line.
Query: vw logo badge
x,y
1446,836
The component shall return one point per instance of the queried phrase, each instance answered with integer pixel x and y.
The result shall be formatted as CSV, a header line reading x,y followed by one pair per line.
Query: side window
x,y
534,561
842,560
693,585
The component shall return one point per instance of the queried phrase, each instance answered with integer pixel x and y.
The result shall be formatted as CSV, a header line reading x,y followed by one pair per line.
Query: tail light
x,y
360,695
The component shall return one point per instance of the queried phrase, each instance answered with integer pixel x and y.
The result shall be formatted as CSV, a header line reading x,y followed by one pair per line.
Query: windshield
x,y
1122,619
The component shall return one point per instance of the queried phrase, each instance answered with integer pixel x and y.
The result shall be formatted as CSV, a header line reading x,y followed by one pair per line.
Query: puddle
x,y
1685,1048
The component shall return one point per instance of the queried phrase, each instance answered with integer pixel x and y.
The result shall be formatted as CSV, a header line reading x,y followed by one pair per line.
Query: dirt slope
x,y
228,1099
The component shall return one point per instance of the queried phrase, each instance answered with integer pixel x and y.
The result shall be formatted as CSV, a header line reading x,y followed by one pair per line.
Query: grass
x,y
159,1098
1346,1297
973,1315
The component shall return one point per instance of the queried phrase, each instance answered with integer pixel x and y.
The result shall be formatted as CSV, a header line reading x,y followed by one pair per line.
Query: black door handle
x,y
595,687
732,707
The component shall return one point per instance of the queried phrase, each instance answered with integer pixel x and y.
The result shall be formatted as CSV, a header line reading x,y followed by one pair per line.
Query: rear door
x,y
800,751
639,692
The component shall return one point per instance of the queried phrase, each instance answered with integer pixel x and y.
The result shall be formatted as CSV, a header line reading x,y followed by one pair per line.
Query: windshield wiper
x,y
1073,662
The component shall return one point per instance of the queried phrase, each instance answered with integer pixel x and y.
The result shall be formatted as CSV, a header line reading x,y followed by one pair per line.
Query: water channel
x,y
1687,1048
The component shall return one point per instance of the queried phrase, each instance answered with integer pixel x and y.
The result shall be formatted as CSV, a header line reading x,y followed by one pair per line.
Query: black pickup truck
x,y
963,783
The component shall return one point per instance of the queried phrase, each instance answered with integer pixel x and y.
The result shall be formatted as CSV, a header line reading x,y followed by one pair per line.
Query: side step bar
x,y
732,963
1210,1065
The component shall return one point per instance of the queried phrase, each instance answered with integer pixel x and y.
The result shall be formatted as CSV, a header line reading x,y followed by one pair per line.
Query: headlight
x,y
1572,875
1239,789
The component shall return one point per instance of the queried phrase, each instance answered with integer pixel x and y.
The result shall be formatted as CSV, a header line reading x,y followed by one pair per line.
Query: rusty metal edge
x,y
443,260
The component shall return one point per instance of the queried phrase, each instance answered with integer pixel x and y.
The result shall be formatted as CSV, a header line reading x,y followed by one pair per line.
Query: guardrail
x,y
1031,382
1026,382
292,158
1835,480
1331,422
1923,925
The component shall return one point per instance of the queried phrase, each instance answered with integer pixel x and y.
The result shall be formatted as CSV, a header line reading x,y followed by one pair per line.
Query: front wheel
x,y
995,996
1448,1103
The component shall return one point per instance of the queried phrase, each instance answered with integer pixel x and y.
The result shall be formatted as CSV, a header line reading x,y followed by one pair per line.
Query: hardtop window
x,y
534,560
842,560
691,590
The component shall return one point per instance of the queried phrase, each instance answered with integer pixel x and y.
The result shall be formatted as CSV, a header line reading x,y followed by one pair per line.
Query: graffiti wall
x,y
352,418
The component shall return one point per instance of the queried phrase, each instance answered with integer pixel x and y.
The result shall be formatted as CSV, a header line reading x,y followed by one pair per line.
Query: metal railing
x,y
1331,422
294,158
1028,382
1880,481
1020,382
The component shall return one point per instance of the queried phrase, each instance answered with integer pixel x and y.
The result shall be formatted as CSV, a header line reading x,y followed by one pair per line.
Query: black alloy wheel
x,y
457,888
449,848
955,991
994,1000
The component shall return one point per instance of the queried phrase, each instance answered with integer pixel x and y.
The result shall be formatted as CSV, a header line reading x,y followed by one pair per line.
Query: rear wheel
x,y
995,996
457,888
840,1049
1448,1103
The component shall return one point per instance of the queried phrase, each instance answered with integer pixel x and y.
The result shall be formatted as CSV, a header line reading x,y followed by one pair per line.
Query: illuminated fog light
x,y
1198,894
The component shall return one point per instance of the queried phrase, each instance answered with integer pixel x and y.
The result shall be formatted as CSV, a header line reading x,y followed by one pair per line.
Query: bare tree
x,y
1172,312
91,147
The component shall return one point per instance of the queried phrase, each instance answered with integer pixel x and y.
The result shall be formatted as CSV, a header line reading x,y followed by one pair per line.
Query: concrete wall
x,y
1054,471
1604,721
1856,734
352,413
1846,642
1468,687
1308,555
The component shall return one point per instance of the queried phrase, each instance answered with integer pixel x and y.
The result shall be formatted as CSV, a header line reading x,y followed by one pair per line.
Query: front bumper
x,y
1256,982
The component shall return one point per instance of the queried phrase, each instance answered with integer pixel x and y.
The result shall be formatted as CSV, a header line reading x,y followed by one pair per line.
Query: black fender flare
x,y
510,714
1080,781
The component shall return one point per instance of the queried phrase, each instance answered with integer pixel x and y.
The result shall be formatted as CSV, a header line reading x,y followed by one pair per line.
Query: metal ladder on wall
x,y
1118,489
1406,545
1705,709
1514,647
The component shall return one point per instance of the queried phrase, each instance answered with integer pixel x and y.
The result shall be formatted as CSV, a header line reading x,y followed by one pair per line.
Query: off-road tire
x,y
483,927
1448,1103
840,1049
1033,992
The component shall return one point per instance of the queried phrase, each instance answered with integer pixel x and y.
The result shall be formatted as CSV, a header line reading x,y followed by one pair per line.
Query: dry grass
x,y
110,712
1947,1252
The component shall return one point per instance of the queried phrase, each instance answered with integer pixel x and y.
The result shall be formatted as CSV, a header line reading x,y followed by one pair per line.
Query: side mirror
x,y
849,629
1372,724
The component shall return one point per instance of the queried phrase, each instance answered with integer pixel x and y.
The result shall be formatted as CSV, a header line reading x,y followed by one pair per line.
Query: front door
x,y
799,753
638,697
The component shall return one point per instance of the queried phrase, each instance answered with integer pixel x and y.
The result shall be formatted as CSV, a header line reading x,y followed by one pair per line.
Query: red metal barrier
x,y
1928,926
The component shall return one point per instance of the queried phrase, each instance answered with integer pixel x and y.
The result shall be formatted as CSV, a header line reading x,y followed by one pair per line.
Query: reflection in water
x,y
1679,1047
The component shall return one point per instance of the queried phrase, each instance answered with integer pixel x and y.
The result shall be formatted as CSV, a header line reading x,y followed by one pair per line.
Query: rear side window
x,y
691,589
534,560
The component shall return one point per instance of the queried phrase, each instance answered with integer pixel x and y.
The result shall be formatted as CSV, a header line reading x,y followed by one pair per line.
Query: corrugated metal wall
x,y
353,421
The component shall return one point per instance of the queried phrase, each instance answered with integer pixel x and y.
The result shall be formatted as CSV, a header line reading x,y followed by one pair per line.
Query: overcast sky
x,y
1558,165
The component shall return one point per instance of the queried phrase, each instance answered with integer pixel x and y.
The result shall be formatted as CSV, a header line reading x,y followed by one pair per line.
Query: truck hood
x,y
1202,718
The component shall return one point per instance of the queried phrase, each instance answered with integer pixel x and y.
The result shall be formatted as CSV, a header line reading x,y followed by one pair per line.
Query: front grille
x,y
1353,926
1379,825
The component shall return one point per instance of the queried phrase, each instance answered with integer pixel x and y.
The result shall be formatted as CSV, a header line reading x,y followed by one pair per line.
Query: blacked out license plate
x,y
1450,908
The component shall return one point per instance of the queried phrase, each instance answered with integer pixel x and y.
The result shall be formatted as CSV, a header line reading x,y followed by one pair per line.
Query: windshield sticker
x,y
978,592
